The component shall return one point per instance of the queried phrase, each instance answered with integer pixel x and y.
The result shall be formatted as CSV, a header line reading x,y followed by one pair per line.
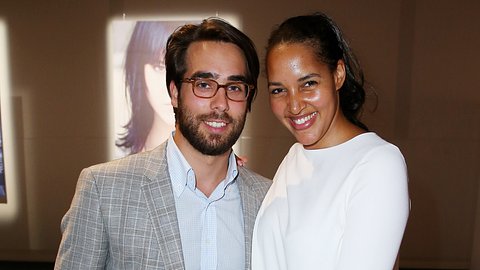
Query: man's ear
x,y
173,94
339,74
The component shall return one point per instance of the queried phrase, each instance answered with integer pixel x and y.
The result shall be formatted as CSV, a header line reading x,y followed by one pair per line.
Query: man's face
x,y
211,125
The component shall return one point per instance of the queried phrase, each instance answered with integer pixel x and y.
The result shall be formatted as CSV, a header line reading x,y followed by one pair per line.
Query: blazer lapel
x,y
158,193
250,205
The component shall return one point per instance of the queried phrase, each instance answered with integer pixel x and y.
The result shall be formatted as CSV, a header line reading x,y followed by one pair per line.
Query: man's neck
x,y
209,170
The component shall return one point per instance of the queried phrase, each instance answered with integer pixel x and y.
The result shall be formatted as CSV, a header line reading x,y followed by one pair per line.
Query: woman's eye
x,y
310,84
158,67
276,91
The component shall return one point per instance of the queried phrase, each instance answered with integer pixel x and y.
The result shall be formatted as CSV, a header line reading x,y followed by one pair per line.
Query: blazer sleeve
x,y
84,242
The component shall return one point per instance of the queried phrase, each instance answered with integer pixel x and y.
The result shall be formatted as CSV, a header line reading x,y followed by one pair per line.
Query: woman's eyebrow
x,y
309,76
274,84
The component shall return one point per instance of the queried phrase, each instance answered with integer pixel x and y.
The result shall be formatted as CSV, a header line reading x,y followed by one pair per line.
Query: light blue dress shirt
x,y
211,228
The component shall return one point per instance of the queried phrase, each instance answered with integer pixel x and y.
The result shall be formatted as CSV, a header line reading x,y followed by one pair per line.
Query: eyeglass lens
x,y
208,88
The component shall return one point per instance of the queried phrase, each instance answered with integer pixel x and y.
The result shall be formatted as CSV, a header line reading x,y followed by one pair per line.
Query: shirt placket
x,y
209,238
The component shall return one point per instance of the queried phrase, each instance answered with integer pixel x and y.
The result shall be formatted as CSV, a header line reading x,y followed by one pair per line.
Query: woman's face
x,y
157,94
304,94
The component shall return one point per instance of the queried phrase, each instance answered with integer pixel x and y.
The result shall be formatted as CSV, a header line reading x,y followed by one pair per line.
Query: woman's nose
x,y
295,103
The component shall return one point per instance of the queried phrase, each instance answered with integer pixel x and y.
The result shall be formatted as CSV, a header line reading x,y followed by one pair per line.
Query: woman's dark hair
x,y
322,34
146,46
211,29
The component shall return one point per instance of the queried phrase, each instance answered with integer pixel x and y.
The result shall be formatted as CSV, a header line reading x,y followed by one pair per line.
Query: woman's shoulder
x,y
382,158
375,143
370,141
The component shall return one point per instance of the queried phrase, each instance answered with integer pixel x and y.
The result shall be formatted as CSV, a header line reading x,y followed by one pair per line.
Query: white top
x,y
339,208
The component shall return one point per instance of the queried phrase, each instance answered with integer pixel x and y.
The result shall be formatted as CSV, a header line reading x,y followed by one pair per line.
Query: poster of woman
x,y
3,195
143,113
140,107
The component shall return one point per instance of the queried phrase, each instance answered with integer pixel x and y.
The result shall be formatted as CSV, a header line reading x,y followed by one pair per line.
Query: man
x,y
185,204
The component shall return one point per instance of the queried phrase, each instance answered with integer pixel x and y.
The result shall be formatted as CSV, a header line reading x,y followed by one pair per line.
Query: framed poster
x,y
9,197
3,190
141,114
4,108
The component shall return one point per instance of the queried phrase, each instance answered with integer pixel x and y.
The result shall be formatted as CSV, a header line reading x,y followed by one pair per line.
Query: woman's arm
x,y
378,208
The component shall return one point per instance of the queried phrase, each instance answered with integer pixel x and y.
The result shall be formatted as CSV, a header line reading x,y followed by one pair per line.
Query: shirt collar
x,y
182,174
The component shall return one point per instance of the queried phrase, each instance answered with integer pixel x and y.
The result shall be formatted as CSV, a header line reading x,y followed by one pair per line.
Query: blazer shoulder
x,y
146,164
254,180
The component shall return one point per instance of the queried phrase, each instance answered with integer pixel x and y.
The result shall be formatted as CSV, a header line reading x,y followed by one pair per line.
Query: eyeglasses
x,y
208,88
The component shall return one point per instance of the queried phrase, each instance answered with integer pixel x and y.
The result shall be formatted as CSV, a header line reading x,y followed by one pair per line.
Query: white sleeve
x,y
377,212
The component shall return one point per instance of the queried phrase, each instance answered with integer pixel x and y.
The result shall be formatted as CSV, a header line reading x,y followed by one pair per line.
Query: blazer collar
x,y
157,189
250,205
158,192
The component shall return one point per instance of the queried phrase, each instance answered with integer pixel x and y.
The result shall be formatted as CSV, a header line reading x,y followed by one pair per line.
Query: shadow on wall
x,y
428,207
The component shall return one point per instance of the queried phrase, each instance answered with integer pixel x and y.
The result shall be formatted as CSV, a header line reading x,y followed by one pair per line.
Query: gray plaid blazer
x,y
123,216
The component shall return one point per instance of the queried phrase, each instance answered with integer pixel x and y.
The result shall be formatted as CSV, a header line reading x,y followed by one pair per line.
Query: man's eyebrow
x,y
210,75
204,75
237,78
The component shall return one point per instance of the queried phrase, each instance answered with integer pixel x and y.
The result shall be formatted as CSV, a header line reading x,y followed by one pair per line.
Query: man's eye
x,y
234,88
203,85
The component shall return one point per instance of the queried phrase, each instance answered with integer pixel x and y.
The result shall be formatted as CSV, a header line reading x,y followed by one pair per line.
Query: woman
x,y
339,200
152,117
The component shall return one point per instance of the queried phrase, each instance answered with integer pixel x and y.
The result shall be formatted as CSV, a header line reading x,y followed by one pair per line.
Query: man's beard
x,y
208,144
